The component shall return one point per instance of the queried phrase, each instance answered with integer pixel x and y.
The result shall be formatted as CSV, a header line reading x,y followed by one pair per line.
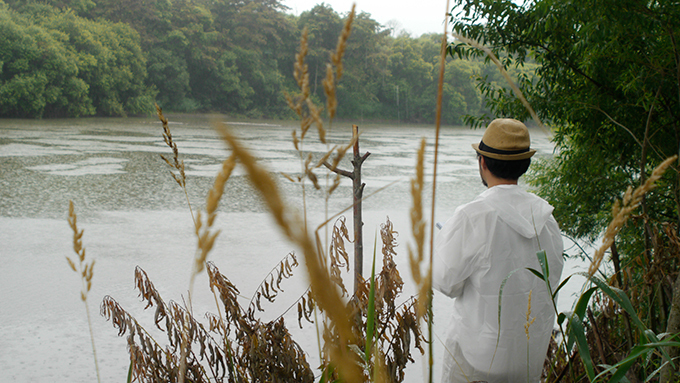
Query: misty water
x,y
134,214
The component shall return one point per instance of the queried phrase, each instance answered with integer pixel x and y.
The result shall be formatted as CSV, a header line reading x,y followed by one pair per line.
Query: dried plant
x,y
270,287
631,200
338,253
86,271
235,346
206,238
328,299
175,164
238,348
329,82
395,326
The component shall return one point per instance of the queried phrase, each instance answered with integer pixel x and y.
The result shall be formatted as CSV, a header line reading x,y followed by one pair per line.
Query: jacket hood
x,y
524,212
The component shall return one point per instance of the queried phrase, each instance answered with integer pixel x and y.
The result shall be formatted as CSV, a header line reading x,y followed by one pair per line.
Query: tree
x,y
39,75
109,60
608,83
364,69
323,25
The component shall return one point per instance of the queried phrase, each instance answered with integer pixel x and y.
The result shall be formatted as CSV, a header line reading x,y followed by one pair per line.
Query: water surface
x,y
134,214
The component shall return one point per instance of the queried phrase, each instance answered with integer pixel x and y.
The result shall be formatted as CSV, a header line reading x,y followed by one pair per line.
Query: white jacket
x,y
478,247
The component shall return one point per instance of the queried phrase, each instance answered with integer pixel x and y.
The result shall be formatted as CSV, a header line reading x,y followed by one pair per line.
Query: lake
x,y
134,214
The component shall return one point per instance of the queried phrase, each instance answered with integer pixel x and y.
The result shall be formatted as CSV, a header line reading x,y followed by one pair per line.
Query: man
x,y
493,238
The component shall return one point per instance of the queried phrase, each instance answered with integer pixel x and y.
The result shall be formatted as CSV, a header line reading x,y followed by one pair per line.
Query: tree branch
x,y
338,171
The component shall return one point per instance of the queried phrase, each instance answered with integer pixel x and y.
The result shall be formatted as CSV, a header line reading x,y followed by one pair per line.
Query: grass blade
x,y
578,333
370,314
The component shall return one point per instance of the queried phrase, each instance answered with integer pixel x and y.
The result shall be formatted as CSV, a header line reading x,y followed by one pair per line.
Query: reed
x,y
86,271
177,165
417,254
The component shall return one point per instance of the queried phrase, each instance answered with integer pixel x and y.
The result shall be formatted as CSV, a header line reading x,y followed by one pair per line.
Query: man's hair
x,y
507,170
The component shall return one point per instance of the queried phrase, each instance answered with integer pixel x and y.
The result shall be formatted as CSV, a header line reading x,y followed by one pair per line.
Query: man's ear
x,y
482,162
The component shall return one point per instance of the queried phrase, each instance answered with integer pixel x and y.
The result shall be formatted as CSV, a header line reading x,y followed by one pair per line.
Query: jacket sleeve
x,y
459,248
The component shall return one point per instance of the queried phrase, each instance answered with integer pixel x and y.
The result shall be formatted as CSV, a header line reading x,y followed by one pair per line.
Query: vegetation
x,y
365,335
69,58
607,83
603,107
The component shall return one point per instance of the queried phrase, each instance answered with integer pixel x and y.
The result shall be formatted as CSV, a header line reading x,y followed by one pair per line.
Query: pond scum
x,y
365,336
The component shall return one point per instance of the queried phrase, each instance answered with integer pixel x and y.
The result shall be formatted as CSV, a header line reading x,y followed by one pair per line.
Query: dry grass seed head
x,y
336,58
329,89
295,140
330,80
621,213
341,151
417,256
175,163
86,269
315,114
300,70
530,320
215,194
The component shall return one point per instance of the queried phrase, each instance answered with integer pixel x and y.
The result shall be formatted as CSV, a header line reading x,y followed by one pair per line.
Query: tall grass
x,y
362,337
365,336
86,271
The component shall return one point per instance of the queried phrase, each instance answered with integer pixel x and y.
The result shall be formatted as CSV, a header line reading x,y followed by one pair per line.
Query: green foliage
x,y
606,81
38,74
55,63
223,55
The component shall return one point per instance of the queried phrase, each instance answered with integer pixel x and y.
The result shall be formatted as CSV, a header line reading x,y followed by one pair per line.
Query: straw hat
x,y
505,139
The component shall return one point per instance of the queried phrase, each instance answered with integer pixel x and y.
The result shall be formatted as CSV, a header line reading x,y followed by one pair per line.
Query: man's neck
x,y
494,181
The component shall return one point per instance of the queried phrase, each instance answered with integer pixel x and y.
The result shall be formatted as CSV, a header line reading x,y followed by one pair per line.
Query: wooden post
x,y
357,195
357,191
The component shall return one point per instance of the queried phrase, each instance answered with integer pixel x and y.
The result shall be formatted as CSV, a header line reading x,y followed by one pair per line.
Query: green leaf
x,y
560,318
619,369
576,331
564,282
536,273
370,314
543,260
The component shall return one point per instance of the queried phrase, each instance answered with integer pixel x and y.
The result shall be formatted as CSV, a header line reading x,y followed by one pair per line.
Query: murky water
x,y
134,213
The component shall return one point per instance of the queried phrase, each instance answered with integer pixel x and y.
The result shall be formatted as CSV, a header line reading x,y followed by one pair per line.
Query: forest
x,y
71,58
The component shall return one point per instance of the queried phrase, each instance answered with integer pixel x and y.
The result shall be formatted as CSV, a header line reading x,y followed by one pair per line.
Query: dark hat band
x,y
485,148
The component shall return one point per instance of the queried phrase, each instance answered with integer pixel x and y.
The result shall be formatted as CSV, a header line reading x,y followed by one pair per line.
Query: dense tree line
x,y
116,57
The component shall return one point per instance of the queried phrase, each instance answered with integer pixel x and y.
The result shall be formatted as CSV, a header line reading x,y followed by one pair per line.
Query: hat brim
x,y
505,157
